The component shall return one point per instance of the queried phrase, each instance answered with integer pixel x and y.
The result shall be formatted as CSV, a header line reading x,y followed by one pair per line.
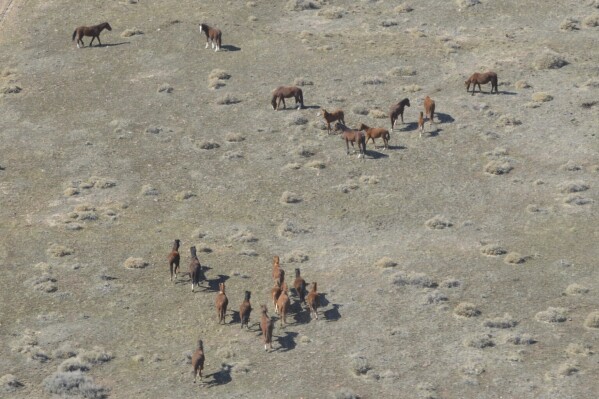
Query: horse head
x,y
107,26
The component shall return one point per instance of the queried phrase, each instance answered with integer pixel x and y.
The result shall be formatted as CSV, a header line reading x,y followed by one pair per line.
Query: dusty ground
x,y
439,277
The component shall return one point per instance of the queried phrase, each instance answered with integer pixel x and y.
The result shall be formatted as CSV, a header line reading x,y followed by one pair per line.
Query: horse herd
x,y
279,296
280,291
360,136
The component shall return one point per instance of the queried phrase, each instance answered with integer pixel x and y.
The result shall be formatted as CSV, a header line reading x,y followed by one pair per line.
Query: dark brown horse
x,y
197,361
397,110
174,258
482,78
282,92
213,36
353,136
93,31
195,269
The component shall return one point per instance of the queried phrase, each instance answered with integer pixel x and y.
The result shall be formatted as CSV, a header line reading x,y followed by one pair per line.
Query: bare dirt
x,y
462,264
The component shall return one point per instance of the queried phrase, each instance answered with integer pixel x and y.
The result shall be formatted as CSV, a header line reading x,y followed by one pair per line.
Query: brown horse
x,y
397,110
213,36
266,325
352,136
174,258
197,361
282,92
336,115
421,123
245,310
482,78
221,303
93,31
375,133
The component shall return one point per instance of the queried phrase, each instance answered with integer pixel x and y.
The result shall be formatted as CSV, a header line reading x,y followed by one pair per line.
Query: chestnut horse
x,y
397,110
93,31
336,115
482,78
213,36
352,136
282,92
375,133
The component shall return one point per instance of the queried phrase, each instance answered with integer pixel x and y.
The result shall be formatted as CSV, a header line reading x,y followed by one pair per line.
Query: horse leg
x,y
284,105
347,145
99,41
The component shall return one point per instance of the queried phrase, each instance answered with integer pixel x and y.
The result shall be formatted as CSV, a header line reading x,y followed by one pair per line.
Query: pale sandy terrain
x,y
462,264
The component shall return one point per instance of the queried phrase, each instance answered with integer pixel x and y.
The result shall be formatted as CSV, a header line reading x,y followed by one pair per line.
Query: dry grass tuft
x,y
385,262
184,195
403,8
506,321
97,355
332,12
466,310
149,190
369,179
569,24
295,256
74,364
412,88
466,3
73,384
514,258
135,263
101,182
575,199
289,197
219,74
522,84
567,369
131,32
479,341
591,21
576,289
552,315
520,339
416,279
434,297
549,60
301,5
316,164
208,145
592,320
499,167
402,71
297,120
571,166
10,89
234,137
573,187
58,251
243,236
302,82
541,97
227,99
372,80
377,113
576,349
9,383
289,228
493,250
359,365
345,393
44,283
508,120
450,283
165,88
215,84
438,222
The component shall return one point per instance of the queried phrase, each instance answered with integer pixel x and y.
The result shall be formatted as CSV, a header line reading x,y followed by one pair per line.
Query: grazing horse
x,y
213,35
174,258
245,309
375,133
221,303
482,78
282,92
93,31
283,304
195,269
336,115
352,136
397,110
197,361
266,325
300,286
313,301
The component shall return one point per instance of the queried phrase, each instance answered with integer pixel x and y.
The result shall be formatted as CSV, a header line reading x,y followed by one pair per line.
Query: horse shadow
x,y
508,93
287,341
397,147
323,299
235,317
229,47
332,314
221,377
311,107
213,283
409,127
444,118
432,133
111,44
375,154
301,316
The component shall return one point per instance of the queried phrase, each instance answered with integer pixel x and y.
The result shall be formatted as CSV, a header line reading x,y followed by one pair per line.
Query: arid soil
x,y
459,264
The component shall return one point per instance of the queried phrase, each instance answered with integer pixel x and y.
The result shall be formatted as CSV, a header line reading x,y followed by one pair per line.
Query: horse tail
x,y
74,34
219,39
301,96
387,136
